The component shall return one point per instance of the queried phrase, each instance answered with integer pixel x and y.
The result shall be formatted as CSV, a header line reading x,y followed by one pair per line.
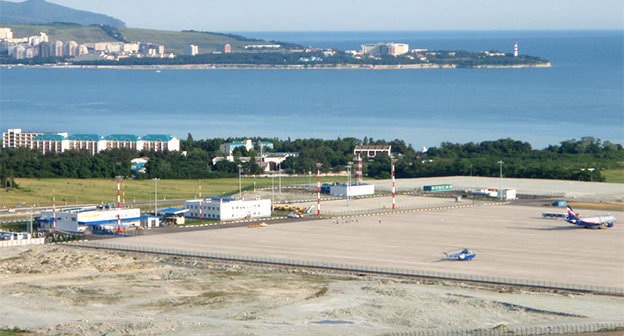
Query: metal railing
x,y
419,207
527,330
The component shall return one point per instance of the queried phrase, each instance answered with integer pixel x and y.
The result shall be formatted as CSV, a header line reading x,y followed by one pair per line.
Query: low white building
x,y
81,219
507,194
344,190
228,208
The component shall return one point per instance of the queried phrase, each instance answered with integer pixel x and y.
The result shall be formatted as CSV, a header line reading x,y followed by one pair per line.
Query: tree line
x,y
571,160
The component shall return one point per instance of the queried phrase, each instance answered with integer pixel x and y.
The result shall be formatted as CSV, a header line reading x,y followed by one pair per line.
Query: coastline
x,y
276,67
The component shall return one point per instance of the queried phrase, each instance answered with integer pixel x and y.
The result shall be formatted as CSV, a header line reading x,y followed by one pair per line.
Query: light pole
x,y
272,190
471,170
500,185
318,189
392,172
279,177
240,186
155,195
349,180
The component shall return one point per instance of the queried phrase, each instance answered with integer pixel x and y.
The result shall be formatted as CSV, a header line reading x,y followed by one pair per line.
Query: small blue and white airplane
x,y
594,222
463,255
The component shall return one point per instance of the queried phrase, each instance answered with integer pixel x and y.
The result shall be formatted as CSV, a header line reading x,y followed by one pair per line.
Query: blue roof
x,y
122,137
172,211
49,137
157,137
226,199
84,137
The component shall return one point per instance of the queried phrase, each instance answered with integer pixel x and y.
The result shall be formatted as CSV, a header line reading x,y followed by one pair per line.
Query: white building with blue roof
x,y
60,142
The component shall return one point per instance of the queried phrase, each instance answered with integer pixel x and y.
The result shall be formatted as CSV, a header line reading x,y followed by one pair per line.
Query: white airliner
x,y
593,222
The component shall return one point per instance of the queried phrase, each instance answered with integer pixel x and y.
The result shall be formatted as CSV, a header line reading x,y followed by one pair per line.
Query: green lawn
x,y
614,175
78,191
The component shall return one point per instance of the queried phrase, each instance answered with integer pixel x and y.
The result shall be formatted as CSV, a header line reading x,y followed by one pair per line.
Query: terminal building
x,y
228,208
351,190
90,219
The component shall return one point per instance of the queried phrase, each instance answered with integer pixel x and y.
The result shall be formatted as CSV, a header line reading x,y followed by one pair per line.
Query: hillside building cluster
x,y
59,142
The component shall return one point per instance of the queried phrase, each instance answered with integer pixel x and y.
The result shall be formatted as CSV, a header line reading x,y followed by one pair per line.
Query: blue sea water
x,y
580,95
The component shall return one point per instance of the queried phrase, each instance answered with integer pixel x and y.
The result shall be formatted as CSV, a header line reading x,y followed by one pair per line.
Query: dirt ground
x,y
59,290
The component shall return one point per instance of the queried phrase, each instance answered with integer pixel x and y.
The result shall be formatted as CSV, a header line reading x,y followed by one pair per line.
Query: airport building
x,y
345,190
228,208
90,219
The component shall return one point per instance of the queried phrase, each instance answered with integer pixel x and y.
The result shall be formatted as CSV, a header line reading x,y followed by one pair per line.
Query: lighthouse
x,y
516,49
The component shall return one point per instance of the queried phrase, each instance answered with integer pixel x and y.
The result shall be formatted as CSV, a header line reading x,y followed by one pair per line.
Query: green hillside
x,y
173,40
62,32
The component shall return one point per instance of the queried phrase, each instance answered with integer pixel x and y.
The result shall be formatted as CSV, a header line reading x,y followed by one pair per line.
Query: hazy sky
x,y
319,15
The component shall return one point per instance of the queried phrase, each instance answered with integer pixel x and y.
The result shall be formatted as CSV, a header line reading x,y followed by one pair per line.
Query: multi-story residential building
x,y
70,48
380,49
191,50
57,49
60,142
227,48
6,33
15,137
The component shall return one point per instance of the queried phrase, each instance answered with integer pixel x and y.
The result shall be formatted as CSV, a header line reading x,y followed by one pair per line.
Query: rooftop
x,y
57,137
122,137
84,137
157,137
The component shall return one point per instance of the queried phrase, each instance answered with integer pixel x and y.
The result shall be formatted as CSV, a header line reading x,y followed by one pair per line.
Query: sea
x,y
582,94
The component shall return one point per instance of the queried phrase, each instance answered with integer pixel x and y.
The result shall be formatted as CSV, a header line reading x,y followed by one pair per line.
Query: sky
x,y
359,15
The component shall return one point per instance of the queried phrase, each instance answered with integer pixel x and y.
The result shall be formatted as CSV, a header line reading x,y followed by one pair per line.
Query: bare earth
x,y
57,290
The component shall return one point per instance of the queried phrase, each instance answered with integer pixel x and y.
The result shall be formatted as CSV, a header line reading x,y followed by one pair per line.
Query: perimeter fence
x,y
617,291
441,205
528,330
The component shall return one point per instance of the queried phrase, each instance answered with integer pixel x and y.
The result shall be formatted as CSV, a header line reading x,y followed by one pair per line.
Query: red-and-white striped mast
x,y
515,49
118,204
54,210
393,161
318,189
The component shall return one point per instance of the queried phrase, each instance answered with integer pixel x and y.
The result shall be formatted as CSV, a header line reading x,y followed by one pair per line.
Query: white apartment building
x,y
380,49
60,142
15,137
228,208
191,50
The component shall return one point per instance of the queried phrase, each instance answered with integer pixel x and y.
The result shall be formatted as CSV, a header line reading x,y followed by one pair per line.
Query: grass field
x,y
614,175
80,191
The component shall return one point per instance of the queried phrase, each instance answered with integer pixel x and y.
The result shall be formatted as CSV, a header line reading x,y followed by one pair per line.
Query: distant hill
x,y
173,41
42,12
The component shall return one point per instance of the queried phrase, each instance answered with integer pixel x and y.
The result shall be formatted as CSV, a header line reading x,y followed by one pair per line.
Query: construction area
x,y
360,269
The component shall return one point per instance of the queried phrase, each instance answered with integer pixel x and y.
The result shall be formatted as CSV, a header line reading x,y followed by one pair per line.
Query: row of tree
x,y
568,160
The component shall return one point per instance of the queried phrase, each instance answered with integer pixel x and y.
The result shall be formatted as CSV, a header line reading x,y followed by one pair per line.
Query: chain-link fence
x,y
503,330
441,205
363,268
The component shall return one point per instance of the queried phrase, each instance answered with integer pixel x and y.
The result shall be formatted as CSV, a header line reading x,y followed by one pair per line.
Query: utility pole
x,y
118,203
392,171
240,188
500,185
279,177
